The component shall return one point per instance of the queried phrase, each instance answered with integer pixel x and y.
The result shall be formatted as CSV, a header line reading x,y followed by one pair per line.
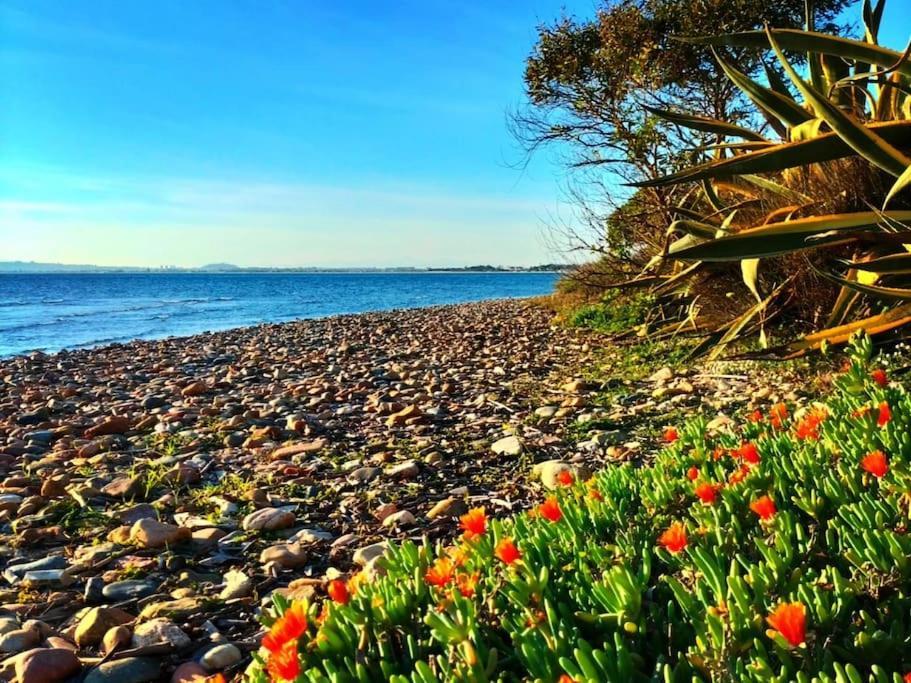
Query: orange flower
x,y
506,551
440,574
749,453
885,414
764,507
808,427
879,376
550,509
466,583
718,453
283,664
287,628
739,475
778,413
790,620
595,494
474,523
458,555
671,435
756,416
875,463
707,492
338,592
863,411
907,678
565,478
674,537
692,473
565,678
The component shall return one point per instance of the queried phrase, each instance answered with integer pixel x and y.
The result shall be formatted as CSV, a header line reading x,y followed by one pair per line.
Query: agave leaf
x,y
859,137
844,303
736,146
785,109
826,147
706,125
904,180
711,196
807,41
736,326
671,283
694,228
776,188
873,325
749,269
893,264
780,238
888,293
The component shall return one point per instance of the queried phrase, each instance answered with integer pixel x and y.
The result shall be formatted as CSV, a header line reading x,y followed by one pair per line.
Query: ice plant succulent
x,y
671,435
879,376
473,523
673,538
749,453
790,620
875,463
565,478
287,628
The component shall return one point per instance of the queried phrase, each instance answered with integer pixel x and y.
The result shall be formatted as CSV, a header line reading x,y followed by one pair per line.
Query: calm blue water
x,y
56,311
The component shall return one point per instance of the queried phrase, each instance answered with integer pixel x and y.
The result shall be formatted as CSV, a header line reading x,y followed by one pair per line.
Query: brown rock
x,y
286,452
117,424
194,389
96,622
150,533
47,665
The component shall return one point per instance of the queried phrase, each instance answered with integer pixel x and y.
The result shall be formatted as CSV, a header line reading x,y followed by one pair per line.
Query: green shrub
x,y
794,512
615,313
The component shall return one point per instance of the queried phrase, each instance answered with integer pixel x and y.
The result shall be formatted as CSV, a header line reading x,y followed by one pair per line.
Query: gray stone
x,y
128,670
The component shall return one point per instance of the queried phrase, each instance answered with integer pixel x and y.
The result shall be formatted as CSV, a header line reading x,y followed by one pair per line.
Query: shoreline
x,y
91,347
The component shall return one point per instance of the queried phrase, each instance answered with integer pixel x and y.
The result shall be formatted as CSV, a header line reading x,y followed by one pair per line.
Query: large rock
x,y
47,665
221,657
95,623
286,452
128,670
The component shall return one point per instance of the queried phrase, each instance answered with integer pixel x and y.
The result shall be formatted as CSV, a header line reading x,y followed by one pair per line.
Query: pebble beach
x,y
154,493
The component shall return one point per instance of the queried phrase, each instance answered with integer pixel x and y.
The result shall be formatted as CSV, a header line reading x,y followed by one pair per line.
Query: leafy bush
x,y
615,312
774,551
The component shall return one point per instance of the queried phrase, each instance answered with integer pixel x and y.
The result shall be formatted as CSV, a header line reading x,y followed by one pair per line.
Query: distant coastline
x,y
26,267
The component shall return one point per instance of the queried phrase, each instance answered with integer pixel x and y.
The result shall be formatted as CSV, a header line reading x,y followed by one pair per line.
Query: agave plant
x,y
829,169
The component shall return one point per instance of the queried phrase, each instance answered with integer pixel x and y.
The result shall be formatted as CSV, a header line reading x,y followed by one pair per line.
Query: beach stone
x,y
367,554
364,475
160,631
131,589
47,665
405,470
19,640
286,555
96,622
189,672
112,425
150,533
221,657
194,389
127,670
15,572
268,519
546,411
400,518
508,445
115,638
237,585
287,452
174,609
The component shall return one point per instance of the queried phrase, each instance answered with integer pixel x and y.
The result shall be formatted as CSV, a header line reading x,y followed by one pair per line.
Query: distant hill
x,y
38,267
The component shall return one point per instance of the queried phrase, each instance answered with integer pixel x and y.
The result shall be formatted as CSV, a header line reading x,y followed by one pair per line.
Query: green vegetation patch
x,y
776,551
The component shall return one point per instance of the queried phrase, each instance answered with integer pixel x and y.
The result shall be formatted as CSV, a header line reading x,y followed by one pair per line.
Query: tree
x,y
592,86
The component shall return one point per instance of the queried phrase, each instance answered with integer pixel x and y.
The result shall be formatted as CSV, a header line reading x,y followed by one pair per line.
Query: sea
x,y
51,312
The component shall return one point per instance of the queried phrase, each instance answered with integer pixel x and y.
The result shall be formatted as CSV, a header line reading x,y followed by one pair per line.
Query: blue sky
x,y
272,133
